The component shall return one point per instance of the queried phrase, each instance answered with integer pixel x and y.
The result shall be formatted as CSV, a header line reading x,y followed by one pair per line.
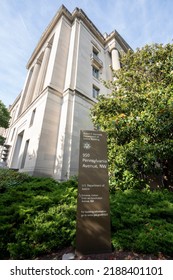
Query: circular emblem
x,y
86,145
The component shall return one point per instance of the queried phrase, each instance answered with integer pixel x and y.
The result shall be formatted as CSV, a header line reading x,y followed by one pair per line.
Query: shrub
x,y
9,178
37,215
142,221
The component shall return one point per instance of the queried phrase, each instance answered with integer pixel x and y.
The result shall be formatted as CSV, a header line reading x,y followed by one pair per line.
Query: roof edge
x,y
79,14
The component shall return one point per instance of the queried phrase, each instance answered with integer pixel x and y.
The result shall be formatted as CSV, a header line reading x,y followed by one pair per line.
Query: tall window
x,y
95,60
95,91
15,161
95,72
24,154
32,117
95,52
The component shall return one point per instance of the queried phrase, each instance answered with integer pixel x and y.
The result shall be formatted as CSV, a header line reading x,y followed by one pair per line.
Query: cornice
x,y
115,35
62,11
80,15
11,107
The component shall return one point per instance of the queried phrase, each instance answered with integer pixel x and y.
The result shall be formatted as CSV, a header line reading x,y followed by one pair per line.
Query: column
x,y
24,92
42,72
32,84
115,59
63,151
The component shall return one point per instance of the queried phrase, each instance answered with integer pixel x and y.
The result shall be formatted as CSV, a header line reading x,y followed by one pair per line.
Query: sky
x,y
22,23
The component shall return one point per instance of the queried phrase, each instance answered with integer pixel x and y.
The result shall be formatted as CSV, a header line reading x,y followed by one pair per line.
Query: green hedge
x,y
142,221
38,216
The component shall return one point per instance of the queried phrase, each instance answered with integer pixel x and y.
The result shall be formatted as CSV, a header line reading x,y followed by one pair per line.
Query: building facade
x,y
64,78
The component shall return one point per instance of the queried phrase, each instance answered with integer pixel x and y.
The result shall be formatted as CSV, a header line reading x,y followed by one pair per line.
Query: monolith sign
x,y
93,213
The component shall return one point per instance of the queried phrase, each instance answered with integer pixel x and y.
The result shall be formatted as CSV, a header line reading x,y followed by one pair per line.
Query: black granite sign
x,y
93,213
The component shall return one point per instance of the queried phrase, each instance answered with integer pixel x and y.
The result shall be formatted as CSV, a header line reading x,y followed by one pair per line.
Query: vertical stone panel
x,y
32,84
42,72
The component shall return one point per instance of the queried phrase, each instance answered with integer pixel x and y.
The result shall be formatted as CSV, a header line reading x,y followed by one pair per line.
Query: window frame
x,y
95,72
32,117
95,91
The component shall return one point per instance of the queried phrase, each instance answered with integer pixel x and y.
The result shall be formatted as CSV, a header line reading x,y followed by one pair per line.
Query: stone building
x,y
64,78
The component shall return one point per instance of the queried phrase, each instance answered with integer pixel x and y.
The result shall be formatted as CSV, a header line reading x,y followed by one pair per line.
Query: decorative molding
x,y
96,61
77,14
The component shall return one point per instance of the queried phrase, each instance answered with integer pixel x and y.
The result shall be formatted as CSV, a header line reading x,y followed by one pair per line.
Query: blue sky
x,y
22,23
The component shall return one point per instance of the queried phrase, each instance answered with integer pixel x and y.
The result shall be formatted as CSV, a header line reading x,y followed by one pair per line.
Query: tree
x,y
138,118
4,120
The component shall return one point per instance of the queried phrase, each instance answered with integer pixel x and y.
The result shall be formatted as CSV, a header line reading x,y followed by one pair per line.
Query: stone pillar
x,y
32,84
63,152
24,92
115,59
42,72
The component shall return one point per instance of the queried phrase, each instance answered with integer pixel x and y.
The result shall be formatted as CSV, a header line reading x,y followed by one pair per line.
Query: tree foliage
x,y
4,120
138,118
2,140
4,116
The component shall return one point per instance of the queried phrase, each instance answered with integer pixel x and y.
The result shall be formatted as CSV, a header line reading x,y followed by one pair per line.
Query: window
x,y
95,60
95,72
24,154
95,91
95,52
32,117
16,157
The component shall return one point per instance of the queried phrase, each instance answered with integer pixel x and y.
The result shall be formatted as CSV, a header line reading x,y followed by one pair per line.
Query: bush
x,y
142,221
37,215
9,178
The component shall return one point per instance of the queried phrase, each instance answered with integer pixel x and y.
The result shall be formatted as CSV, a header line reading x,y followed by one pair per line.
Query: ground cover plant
x,y
38,216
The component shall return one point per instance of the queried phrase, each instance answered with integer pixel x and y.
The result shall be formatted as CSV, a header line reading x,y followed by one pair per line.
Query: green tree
x,y
4,119
138,118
